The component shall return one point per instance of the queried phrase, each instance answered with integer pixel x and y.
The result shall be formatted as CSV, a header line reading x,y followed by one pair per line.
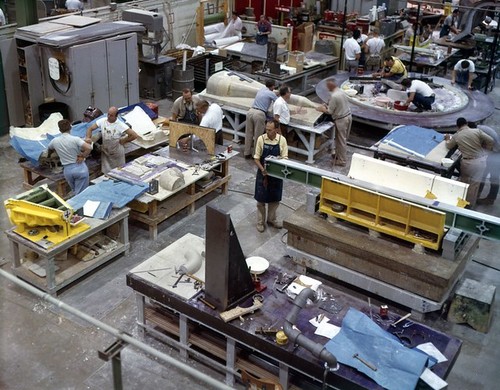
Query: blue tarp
x,y
417,139
117,192
398,367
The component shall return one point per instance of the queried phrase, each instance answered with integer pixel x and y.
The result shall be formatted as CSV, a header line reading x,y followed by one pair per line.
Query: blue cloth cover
x,y
117,192
418,139
398,367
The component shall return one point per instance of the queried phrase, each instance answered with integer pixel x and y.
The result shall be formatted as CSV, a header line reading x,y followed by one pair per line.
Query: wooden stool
x,y
252,382
472,305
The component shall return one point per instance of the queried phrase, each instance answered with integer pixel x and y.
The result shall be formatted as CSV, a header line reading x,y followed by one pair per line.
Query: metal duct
x,y
297,337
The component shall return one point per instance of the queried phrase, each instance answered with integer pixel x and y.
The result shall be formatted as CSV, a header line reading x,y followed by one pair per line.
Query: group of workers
x,y
265,133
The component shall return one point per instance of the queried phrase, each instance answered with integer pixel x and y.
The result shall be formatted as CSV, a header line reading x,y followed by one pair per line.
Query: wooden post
x,y
200,23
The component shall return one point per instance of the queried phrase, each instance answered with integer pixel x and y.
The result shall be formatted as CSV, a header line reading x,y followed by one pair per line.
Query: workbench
x,y
430,65
430,162
61,268
154,209
198,331
33,174
304,82
311,137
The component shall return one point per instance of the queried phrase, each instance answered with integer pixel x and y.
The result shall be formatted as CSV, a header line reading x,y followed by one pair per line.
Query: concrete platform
x,y
383,259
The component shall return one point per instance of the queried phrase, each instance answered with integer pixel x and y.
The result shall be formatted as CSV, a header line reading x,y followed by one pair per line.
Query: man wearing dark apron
x,y
268,189
184,108
264,29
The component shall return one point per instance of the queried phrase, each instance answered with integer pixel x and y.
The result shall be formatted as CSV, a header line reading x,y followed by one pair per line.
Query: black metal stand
x,y
113,353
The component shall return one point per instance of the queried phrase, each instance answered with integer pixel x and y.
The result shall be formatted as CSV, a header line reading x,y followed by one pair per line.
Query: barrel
x,y
45,109
182,79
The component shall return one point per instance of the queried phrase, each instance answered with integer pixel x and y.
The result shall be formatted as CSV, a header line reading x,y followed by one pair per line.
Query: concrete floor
x,y
43,348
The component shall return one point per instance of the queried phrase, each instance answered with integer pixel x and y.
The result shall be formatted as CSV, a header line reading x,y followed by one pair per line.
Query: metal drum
x,y
182,79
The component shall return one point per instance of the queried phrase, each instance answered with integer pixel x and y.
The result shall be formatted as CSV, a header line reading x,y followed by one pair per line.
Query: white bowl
x,y
257,264
447,162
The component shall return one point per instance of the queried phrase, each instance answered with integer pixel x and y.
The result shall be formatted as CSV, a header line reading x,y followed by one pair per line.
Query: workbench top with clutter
x,y
300,328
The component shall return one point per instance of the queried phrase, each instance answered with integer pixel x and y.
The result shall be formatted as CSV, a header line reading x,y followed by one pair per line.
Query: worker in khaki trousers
x,y
268,189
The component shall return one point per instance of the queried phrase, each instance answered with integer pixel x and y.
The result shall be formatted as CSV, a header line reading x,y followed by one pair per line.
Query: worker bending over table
x,y
72,152
256,116
463,73
115,134
394,69
211,116
472,143
268,189
420,94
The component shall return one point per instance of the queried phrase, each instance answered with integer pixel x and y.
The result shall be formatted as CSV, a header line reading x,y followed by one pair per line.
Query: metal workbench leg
x,y
230,361
141,320
284,375
183,336
14,249
50,269
124,234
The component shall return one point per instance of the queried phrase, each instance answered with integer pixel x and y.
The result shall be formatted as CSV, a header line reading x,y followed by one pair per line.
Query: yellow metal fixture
x,y
43,217
383,213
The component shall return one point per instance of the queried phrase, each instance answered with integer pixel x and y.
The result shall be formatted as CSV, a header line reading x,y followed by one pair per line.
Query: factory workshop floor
x,y
44,348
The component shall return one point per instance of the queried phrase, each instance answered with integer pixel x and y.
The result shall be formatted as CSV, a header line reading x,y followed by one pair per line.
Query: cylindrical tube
x,y
184,60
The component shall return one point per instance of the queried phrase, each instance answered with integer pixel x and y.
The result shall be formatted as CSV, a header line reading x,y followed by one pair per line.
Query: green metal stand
x,y
469,221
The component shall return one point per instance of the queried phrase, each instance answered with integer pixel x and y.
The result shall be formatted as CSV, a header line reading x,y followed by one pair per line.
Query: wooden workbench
x,y
197,330
34,174
61,268
154,209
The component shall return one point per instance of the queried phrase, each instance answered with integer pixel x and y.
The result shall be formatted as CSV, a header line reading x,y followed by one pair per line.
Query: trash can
x,y
45,109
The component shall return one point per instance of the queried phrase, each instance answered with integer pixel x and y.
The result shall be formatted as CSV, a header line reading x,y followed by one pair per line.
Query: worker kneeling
x,y
420,94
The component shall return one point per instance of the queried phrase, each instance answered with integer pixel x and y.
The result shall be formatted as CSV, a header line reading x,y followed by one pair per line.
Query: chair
x,y
254,383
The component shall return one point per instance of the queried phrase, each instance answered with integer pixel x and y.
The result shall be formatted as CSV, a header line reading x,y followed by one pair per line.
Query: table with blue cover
x,y
419,148
196,329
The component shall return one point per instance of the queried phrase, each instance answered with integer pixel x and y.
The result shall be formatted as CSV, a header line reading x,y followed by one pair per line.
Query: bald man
x,y
115,134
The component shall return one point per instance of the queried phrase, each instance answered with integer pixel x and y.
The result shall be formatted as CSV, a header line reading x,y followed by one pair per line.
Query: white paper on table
x,y
90,207
314,321
435,382
431,350
327,330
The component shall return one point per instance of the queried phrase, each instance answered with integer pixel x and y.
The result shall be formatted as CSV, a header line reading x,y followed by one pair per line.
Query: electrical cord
x,y
56,87
251,194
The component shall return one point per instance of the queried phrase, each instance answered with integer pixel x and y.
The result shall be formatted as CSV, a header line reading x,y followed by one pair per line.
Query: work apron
x,y
190,116
113,153
268,189
262,39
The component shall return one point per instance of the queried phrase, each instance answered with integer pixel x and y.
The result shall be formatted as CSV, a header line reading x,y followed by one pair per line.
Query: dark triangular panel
x,y
227,278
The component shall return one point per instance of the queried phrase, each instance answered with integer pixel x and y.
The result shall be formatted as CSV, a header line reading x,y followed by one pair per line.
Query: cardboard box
x,y
305,33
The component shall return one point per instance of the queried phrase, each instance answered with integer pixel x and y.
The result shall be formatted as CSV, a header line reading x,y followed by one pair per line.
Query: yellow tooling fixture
x,y
41,216
383,213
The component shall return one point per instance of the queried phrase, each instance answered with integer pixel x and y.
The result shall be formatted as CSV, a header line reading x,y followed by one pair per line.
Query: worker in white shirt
x,y
463,73
211,116
234,26
352,53
373,48
420,94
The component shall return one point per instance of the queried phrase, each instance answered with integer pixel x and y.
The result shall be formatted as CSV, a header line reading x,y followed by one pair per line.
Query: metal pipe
x,y
344,25
492,59
117,333
297,337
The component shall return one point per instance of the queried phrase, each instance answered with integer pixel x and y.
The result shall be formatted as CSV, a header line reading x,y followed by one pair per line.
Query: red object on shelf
x,y
329,16
351,26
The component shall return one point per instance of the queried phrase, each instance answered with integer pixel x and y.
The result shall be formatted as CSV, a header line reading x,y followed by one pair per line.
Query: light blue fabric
x,y
398,367
117,192
29,149
413,138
